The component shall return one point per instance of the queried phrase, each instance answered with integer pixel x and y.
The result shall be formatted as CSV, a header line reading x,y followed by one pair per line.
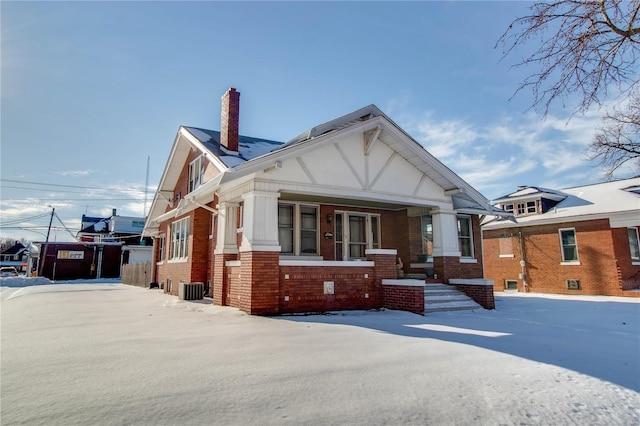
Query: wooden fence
x,y
138,274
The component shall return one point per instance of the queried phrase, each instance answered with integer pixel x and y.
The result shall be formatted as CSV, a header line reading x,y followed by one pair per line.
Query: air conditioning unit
x,y
190,291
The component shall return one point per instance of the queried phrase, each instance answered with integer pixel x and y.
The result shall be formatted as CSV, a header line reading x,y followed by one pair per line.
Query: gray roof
x,y
248,147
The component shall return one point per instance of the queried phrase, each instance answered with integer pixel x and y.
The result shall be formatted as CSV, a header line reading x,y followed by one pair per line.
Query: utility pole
x,y
46,243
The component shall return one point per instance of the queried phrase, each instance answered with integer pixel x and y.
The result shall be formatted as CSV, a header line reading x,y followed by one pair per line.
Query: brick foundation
x,y
403,297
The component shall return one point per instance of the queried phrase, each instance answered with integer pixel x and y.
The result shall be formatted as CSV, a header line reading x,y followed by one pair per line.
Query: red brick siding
x,y
234,285
629,274
259,283
481,294
403,298
597,272
304,285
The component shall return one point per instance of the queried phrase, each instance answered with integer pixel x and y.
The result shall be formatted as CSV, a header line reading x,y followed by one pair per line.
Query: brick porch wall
x,y
403,297
259,283
302,288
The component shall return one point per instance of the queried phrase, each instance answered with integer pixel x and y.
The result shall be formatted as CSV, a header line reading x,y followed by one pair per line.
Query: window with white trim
x,y
569,245
161,241
634,245
531,207
298,229
426,226
465,236
196,173
510,284
355,232
179,239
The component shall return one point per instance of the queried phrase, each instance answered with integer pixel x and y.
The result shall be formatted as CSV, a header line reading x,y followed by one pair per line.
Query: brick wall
x,y
629,274
303,286
259,283
598,253
403,298
481,294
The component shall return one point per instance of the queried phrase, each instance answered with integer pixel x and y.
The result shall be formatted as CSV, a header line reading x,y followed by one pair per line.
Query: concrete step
x,y
443,297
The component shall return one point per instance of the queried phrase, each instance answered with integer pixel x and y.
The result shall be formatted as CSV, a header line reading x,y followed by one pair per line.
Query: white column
x,y
260,222
227,226
445,233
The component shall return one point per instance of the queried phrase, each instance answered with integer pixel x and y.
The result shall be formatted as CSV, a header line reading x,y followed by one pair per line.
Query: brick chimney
x,y
229,119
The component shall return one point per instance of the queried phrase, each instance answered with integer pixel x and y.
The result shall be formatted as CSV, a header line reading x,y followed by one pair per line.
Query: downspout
x,y
523,264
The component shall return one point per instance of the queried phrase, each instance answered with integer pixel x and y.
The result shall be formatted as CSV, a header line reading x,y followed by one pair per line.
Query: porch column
x,y
260,254
446,252
226,249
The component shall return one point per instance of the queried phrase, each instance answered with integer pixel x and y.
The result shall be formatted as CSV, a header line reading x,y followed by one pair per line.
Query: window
x,y
531,207
179,239
308,230
355,233
573,284
510,285
634,246
298,229
161,247
196,173
508,208
285,227
506,245
426,225
569,245
465,236
520,209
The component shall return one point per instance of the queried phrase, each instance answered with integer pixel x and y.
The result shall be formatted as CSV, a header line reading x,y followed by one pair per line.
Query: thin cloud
x,y
76,173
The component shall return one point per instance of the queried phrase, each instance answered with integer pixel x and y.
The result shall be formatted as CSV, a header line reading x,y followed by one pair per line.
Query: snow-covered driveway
x,y
113,354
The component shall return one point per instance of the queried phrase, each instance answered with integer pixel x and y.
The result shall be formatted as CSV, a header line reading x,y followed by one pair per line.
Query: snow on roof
x,y
601,199
248,147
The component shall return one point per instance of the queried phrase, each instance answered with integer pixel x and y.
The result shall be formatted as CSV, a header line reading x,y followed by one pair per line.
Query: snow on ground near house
x,y
116,354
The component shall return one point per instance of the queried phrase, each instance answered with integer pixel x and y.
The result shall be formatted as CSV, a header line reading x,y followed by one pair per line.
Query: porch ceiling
x,y
307,198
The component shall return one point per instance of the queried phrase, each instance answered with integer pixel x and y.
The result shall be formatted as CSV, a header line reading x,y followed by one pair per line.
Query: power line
x,y
49,184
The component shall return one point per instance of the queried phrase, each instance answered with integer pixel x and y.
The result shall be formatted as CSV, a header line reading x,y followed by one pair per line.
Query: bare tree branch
x,y
588,48
585,47
618,141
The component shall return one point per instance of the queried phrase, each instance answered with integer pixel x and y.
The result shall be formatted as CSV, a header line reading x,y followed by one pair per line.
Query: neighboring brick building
x,y
313,224
581,240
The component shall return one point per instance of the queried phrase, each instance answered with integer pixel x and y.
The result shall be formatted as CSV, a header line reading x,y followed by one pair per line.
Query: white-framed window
x,y
355,232
634,244
569,245
521,209
426,227
180,239
298,229
508,208
465,236
196,173
161,242
531,207
510,284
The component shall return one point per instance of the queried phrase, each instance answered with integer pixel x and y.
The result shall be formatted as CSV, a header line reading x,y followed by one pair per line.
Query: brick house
x,y
581,240
313,224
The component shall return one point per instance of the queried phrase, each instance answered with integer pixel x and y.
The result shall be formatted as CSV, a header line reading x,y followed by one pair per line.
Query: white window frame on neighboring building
x,y
634,245
196,173
180,230
566,261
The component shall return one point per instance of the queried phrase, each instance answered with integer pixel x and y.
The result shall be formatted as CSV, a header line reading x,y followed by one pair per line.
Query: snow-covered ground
x,y
115,354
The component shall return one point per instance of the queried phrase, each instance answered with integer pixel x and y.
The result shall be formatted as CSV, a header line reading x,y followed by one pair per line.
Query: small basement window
x,y
573,284
510,285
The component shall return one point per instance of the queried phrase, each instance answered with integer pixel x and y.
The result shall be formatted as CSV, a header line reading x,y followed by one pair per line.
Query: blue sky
x,y
90,90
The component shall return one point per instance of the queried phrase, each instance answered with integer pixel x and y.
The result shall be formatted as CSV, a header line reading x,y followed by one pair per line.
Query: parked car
x,y
8,271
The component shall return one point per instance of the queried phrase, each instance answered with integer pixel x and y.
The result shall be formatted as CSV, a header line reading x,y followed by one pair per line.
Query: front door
x,y
355,233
